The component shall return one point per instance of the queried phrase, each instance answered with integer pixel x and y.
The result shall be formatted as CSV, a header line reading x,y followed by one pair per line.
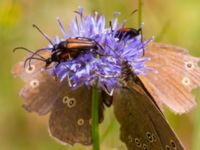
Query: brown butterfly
x,y
136,106
70,119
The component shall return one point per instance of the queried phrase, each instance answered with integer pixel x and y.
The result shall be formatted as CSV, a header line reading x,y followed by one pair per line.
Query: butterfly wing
x,y
70,120
40,90
70,109
143,126
177,75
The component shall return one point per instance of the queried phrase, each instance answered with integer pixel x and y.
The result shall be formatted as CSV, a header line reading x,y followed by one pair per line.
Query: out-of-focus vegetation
x,y
173,21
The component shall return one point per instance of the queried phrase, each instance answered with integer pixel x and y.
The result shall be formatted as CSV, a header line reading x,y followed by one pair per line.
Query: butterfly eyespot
x,y
186,81
173,144
34,83
30,69
71,102
167,147
189,65
150,136
145,147
137,142
80,122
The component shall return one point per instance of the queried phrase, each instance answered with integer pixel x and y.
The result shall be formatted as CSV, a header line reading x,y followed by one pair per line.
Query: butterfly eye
x,y
34,83
145,147
137,142
80,122
173,144
71,102
189,65
167,147
30,69
186,81
150,136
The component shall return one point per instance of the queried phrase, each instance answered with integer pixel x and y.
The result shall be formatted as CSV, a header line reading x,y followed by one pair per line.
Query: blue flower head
x,y
106,63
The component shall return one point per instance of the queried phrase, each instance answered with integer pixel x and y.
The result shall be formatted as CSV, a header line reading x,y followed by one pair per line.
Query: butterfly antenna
x,y
46,37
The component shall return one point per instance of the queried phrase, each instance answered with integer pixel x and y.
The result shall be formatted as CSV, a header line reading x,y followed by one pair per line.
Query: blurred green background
x,y
173,21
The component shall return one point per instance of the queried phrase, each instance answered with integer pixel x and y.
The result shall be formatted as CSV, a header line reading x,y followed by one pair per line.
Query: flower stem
x,y
95,118
139,12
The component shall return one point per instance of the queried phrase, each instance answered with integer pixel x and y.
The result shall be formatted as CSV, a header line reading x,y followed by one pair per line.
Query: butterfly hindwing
x,y
176,73
70,120
143,125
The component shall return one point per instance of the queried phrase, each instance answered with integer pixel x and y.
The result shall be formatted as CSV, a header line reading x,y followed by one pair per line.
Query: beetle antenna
x,y
46,37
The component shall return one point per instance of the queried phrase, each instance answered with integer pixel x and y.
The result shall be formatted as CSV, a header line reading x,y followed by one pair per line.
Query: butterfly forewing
x,y
40,90
28,72
177,74
143,125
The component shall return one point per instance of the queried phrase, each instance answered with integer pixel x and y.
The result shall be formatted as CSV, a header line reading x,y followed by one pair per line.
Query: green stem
x,y
95,118
139,12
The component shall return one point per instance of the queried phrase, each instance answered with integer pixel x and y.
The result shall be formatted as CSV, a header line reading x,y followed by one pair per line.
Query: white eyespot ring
x,y
34,83
80,122
137,142
186,81
71,102
145,147
173,144
167,147
189,65
149,136
30,69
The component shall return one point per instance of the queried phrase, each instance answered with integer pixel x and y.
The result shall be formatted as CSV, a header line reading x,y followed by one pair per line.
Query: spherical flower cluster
x,y
102,65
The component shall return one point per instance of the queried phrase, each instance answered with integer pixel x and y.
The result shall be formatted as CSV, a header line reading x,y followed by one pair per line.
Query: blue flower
x,y
105,66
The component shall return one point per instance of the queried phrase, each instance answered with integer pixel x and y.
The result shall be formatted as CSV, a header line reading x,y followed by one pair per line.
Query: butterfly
x,y
70,118
138,106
